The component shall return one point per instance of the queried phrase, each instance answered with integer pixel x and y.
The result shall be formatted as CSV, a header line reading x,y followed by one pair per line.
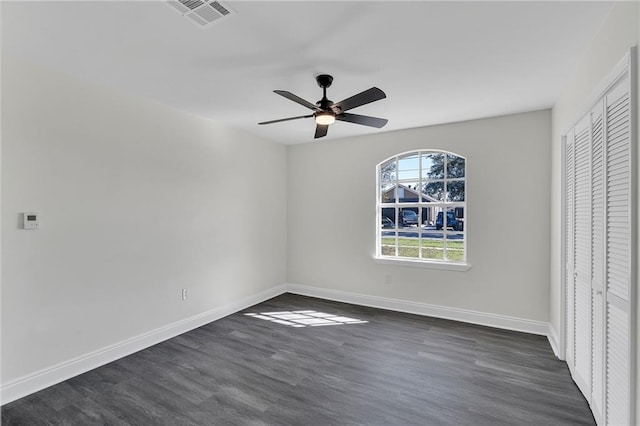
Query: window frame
x,y
444,205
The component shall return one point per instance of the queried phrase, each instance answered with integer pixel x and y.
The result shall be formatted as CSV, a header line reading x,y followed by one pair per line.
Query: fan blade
x,y
297,99
286,119
321,130
362,98
365,120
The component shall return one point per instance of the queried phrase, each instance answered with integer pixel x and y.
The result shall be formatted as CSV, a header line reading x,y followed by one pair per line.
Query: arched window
x,y
422,207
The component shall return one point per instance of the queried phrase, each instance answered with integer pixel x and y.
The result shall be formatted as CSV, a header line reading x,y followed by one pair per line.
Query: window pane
x,y
432,244
388,171
388,231
408,167
429,215
455,246
455,190
408,245
451,223
408,192
433,191
455,166
387,218
387,193
433,165
408,218
388,247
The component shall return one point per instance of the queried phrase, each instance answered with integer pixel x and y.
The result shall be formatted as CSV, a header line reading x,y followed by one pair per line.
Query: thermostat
x,y
30,220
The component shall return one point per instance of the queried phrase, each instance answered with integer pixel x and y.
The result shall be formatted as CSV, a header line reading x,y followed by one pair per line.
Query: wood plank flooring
x,y
395,369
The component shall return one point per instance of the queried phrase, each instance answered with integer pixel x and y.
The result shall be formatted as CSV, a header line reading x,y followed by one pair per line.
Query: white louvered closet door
x,y
600,246
618,162
570,177
597,260
582,262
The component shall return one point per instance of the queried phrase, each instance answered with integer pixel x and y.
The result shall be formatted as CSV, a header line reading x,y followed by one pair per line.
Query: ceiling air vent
x,y
203,12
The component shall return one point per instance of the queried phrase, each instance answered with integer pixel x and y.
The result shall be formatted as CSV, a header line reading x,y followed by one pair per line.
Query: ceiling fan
x,y
326,111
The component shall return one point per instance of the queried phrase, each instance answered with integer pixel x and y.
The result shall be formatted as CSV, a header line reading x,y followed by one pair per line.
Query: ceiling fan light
x,y
325,118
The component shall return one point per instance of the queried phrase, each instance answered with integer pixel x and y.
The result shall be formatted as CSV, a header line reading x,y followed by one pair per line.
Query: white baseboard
x,y
44,378
473,317
552,336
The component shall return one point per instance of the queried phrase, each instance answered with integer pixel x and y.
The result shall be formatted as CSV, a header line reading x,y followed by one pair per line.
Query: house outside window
x,y
421,208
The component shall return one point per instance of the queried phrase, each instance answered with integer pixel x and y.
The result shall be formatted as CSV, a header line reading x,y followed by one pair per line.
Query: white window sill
x,y
449,266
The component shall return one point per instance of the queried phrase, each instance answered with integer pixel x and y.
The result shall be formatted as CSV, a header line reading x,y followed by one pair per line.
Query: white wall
x,y
618,33
332,189
137,201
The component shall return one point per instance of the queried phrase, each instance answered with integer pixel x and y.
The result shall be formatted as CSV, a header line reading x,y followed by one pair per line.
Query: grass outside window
x,y
432,249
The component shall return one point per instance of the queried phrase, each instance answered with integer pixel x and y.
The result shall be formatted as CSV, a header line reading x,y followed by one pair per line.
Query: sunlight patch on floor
x,y
305,318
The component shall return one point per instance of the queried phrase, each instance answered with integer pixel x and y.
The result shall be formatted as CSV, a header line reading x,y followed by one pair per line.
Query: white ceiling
x,y
438,62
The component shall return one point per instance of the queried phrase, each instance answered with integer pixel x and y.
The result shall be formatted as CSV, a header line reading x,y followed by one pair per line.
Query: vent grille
x,y
217,6
192,4
202,12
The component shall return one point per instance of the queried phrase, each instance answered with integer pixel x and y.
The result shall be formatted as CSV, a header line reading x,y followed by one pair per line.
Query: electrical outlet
x,y
388,279
185,294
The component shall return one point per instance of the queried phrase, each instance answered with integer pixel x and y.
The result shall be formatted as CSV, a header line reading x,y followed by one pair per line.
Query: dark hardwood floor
x,y
394,369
